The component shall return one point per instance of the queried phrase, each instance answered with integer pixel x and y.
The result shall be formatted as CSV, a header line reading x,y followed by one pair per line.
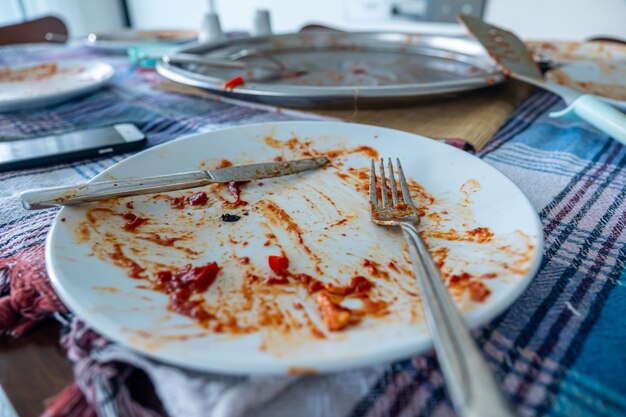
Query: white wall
x,y
81,16
560,19
535,19
531,19
287,15
9,12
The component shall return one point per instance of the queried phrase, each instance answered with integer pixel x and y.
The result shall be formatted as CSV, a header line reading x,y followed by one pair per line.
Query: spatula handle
x,y
598,113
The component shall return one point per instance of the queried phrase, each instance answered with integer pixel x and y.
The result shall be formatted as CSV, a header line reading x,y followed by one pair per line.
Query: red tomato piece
x,y
133,221
234,82
278,264
198,199
199,278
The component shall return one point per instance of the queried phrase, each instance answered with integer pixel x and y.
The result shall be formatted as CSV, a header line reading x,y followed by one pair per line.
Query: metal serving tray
x,y
343,67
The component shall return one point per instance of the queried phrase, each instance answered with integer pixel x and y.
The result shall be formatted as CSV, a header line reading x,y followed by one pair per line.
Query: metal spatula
x,y
516,62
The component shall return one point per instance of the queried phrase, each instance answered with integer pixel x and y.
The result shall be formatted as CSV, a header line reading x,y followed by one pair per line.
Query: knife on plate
x,y
104,190
515,61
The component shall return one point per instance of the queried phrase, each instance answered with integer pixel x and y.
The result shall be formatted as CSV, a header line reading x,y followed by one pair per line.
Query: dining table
x,y
558,350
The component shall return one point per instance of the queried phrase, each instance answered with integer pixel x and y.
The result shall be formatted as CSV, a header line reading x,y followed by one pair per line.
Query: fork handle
x,y
472,387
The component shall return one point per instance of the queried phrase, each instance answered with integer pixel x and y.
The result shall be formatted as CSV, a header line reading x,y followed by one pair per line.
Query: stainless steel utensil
x,y
472,387
273,69
95,191
345,67
60,37
510,53
182,58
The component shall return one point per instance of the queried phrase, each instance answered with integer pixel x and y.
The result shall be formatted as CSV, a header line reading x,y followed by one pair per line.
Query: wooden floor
x,y
32,369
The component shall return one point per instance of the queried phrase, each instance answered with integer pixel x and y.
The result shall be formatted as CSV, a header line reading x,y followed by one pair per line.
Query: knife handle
x,y
95,191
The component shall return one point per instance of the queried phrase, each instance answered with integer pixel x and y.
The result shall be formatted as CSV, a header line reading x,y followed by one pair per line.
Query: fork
x,y
472,387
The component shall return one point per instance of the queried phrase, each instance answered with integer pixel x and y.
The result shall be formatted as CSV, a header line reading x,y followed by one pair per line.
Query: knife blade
x,y
104,190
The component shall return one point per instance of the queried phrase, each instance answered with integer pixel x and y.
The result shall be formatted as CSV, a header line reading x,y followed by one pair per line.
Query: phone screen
x,y
59,144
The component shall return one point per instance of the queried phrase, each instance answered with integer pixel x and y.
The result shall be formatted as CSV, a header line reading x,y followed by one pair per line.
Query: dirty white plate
x,y
468,194
597,67
27,86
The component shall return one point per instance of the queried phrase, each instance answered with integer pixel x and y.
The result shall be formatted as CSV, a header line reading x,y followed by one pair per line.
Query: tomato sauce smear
x,y
180,286
133,221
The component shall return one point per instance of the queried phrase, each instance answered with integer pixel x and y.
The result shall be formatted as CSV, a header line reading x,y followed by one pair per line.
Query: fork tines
x,y
406,196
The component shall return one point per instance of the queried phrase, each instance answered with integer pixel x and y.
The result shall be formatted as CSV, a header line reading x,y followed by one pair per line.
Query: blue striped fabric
x,y
559,350
543,348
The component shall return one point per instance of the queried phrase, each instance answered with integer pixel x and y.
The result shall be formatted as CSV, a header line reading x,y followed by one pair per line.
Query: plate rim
x,y
59,96
474,319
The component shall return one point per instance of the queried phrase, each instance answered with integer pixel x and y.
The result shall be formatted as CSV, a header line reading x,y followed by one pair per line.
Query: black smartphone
x,y
82,144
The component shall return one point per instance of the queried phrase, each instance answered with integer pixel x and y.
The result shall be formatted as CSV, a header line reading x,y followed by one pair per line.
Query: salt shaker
x,y
262,24
211,30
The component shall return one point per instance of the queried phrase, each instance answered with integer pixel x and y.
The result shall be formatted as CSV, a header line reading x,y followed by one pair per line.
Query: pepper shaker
x,y
210,28
262,23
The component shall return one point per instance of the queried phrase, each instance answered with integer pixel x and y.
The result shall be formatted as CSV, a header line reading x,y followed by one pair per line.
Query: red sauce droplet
x,y
357,285
133,221
312,285
464,276
480,234
198,199
177,203
478,291
371,266
159,240
133,269
282,280
181,285
234,82
278,264
193,278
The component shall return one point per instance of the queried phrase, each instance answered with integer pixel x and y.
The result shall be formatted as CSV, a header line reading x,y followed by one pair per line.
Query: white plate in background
x,y
26,86
597,67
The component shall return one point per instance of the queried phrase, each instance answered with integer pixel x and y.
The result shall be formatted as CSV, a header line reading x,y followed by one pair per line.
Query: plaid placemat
x,y
558,349
471,117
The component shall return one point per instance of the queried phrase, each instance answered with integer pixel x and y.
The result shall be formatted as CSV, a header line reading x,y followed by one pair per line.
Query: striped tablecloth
x,y
559,350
